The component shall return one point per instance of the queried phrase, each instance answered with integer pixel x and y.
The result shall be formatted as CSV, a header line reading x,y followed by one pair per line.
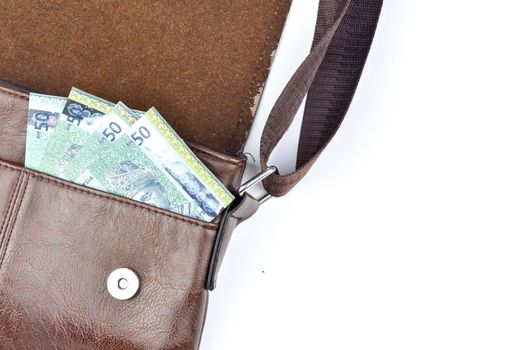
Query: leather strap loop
x,y
329,76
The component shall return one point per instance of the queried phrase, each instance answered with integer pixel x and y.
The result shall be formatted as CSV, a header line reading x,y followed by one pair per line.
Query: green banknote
x,y
43,114
169,152
124,169
108,130
112,148
79,119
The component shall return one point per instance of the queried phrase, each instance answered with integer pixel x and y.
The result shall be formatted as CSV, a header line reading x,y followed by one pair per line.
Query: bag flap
x,y
202,64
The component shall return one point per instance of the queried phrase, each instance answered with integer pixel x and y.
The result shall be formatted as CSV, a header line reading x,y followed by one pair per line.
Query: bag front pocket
x,y
58,245
9,183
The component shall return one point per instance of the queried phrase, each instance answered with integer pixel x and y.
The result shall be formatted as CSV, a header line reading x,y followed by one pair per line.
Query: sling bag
x,y
60,242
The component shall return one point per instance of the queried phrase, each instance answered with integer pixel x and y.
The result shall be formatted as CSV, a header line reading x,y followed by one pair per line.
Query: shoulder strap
x,y
329,76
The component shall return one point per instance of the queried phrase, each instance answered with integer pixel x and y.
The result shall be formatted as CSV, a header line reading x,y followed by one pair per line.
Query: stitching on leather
x,y
17,211
218,156
8,233
15,94
9,207
205,225
107,196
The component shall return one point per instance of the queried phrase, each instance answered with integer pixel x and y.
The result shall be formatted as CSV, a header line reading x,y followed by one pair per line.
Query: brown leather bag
x,y
59,241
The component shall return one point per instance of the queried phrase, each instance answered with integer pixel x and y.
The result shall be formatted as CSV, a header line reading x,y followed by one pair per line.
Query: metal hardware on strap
x,y
243,207
255,180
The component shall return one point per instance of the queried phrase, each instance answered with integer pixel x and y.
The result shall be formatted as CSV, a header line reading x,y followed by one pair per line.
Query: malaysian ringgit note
x,y
124,169
107,130
77,122
43,114
165,147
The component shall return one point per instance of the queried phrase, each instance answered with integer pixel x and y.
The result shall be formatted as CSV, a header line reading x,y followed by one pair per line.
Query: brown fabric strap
x,y
329,76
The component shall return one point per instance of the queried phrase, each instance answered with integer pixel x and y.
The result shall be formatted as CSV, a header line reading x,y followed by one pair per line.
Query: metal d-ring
x,y
255,180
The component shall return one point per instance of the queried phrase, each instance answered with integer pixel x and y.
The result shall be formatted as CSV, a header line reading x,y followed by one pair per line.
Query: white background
x,y
411,230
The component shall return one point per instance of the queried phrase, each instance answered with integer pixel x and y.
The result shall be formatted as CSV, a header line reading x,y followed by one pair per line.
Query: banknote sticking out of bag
x,y
109,147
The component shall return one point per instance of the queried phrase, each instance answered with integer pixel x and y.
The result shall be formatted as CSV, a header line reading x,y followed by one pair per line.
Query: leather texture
x,y
59,242
203,64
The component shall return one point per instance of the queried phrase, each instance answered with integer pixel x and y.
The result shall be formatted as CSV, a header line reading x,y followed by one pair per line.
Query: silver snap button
x,y
122,284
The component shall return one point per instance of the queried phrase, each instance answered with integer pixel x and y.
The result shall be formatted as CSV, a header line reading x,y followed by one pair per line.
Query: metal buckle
x,y
220,237
255,180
